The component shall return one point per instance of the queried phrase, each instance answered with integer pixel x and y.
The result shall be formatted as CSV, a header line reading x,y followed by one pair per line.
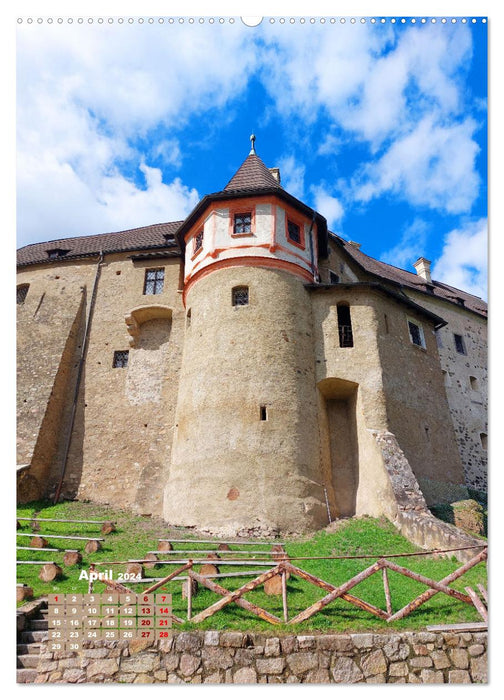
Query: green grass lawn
x,y
136,536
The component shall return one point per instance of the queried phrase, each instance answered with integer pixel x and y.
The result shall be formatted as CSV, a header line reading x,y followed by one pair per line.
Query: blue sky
x,y
381,127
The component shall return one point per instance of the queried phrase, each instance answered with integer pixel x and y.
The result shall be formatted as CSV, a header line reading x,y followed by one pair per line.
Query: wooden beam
x,y
459,627
218,542
336,593
60,537
427,595
241,602
362,604
477,603
232,597
54,520
386,589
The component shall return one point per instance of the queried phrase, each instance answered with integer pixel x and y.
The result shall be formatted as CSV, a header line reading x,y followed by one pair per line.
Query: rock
x,y
139,664
306,642
479,669
374,663
233,639
74,675
469,515
138,645
143,678
335,642
459,658
319,675
302,661
420,662
213,678
270,666
272,647
345,670
188,664
396,651
459,676
427,675
211,638
380,678
107,528
440,660
171,661
245,675
188,641
476,649
215,658
399,668
107,667
362,641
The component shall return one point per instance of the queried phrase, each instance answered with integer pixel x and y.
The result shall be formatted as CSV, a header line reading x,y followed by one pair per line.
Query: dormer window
x,y
56,253
169,238
242,223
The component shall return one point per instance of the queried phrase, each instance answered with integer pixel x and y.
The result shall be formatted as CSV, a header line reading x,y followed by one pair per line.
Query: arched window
x,y
21,292
345,326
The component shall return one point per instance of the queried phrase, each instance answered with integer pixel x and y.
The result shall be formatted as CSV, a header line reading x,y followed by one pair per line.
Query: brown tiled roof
x,y
145,237
252,174
411,280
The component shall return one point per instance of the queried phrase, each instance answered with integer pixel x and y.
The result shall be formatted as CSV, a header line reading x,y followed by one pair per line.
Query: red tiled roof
x,y
412,280
250,175
141,238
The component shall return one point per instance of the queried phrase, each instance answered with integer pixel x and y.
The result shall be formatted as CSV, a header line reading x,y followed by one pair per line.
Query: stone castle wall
x,y
248,658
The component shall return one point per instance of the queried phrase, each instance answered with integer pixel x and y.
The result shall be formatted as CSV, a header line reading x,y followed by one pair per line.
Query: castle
x,y
245,370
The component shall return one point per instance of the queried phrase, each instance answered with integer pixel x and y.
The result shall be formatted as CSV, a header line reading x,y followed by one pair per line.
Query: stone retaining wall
x,y
237,657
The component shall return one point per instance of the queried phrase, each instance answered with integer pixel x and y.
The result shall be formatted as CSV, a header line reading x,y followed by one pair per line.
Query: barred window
x,y
120,358
154,281
240,296
21,292
293,232
243,223
198,241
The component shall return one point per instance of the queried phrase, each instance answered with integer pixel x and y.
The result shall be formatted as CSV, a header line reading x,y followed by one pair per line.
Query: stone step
x,y
26,675
38,625
28,661
28,636
28,649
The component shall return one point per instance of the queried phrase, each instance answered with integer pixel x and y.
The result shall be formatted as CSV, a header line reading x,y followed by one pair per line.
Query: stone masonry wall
x,y
244,658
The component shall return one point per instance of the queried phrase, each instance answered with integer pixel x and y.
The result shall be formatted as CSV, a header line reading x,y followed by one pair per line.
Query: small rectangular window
x,y
459,344
240,296
416,334
120,358
263,413
293,232
242,223
154,281
198,241
333,277
345,326
474,383
484,440
21,292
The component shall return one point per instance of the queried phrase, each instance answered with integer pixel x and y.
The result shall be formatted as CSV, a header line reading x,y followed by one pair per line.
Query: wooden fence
x,y
284,569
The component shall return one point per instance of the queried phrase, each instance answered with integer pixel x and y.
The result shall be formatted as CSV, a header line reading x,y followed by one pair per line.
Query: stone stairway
x,y
30,638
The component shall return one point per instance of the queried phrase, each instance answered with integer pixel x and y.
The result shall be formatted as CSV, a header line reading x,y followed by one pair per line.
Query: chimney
x,y
276,173
422,267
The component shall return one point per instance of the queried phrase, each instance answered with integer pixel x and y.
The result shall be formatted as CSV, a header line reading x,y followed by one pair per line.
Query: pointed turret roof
x,y
252,174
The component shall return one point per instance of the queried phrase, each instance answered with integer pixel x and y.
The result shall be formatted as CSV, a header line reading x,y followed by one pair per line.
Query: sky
x,y
381,127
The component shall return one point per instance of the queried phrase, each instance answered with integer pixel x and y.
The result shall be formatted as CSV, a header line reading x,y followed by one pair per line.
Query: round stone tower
x,y
246,454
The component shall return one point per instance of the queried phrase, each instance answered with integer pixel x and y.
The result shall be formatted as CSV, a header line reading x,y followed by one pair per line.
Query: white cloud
x,y
463,261
432,166
410,247
85,96
327,205
292,176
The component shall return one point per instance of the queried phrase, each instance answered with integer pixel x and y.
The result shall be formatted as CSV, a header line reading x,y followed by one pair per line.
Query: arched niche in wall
x,y
340,426
150,328
142,314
